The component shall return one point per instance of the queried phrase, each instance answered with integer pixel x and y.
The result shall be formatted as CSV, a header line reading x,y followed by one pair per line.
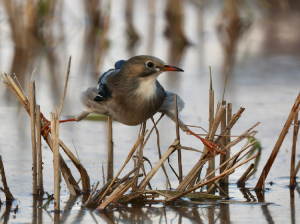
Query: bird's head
x,y
145,66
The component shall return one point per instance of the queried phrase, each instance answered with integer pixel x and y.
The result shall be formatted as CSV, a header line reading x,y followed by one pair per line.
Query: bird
x,y
130,94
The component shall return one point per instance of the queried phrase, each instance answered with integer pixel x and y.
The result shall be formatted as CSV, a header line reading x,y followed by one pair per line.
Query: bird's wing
x,y
119,64
169,105
104,93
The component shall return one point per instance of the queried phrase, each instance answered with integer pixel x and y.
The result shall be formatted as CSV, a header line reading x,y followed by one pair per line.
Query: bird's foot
x,y
210,145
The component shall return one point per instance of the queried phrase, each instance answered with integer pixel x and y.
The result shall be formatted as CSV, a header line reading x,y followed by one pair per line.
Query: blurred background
x,y
258,40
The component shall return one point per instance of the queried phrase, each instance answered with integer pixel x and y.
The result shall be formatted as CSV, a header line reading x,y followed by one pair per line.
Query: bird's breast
x,y
134,109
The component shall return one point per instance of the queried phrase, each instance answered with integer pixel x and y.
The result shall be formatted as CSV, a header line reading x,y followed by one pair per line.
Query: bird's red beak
x,y
171,68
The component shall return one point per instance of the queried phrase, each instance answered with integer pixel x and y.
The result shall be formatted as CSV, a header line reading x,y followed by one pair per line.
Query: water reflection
x,y
174,30
246,193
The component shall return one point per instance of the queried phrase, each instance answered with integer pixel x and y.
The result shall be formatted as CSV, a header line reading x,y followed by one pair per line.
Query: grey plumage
x,y
136,94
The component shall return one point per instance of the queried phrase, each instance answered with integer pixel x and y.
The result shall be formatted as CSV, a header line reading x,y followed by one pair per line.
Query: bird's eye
x,y
150,64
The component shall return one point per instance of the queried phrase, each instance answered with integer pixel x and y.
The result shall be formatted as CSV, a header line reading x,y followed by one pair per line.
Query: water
x,y
264,78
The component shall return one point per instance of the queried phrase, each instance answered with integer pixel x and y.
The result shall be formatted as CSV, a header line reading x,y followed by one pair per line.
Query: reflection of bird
x,y
131,94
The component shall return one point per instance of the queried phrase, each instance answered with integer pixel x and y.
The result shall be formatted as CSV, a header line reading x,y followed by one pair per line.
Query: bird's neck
x,y
148,88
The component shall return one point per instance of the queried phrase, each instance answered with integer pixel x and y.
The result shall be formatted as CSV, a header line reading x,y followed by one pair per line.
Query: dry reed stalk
x,y
244,176
123,191
126,161
55,137
223,140
297,168
140,153
293,154
250,174
178,138
91,195
69,185
246,134
229,117
95,198
215,178
192,175
83,173
159,152
157,166
220,189
110,150
211,162
228,140
65,89
278,143
186,148
150,132
230,161
217,122
230,124
111,197
103,175
235,159
39,150
33,136
11,85
6,190
166,193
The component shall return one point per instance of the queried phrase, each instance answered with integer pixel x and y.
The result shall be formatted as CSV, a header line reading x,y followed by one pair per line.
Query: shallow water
x,y
264,79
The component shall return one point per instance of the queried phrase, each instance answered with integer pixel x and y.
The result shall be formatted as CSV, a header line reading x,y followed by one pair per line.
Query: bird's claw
x,y
209,145
44,130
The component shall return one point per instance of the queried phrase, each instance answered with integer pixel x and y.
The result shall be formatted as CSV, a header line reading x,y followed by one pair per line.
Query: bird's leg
x,y
210,146
48,123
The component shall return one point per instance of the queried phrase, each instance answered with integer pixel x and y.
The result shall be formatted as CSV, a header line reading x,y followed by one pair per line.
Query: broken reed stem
x,y
65,89
213,179
178,138
83,173
250,174
55,137
110,150
278,144
7,193
157,166
39,150
33,136
293,154
244,176
126,161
